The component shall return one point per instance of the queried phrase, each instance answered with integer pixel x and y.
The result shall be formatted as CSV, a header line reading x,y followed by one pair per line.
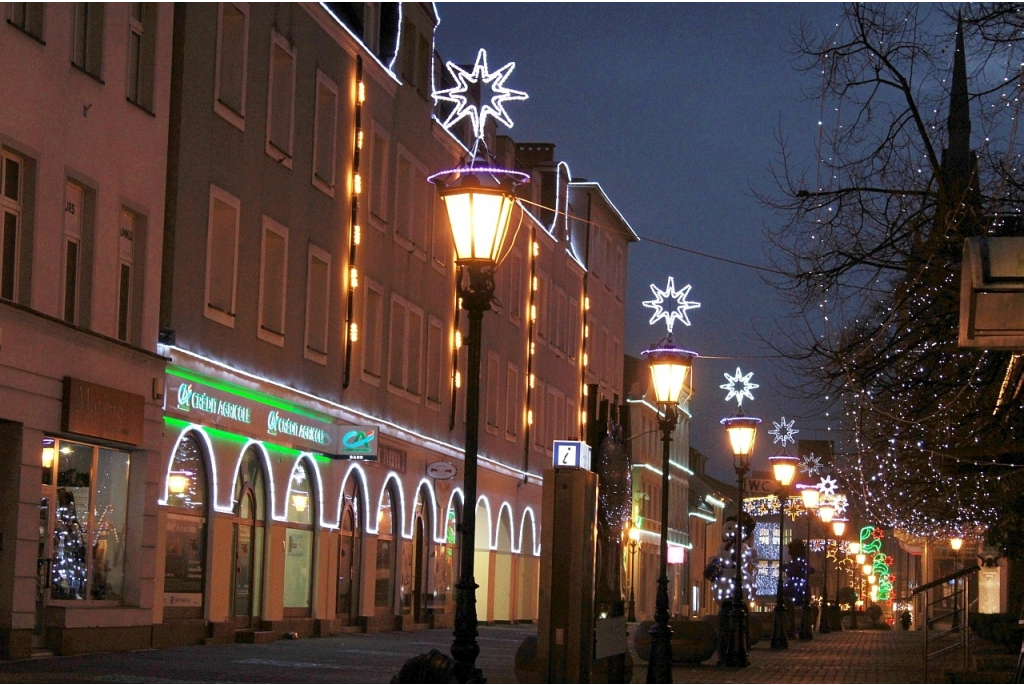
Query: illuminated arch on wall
x,y
505,509
268,474
399,504
482,500
203,438
424,485
314,468
528,514
355,471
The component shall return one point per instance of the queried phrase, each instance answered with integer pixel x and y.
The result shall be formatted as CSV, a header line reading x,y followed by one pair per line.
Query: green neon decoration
x,y
272,448
240,391
871,543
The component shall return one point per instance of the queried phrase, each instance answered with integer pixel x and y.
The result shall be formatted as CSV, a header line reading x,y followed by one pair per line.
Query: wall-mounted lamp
x,y
177,483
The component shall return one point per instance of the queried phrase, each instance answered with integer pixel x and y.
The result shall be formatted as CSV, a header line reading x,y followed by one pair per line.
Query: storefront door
x,y
348,570
44,563
419,573
242,585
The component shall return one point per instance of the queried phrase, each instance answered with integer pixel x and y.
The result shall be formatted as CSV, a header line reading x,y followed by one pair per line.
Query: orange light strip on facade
x,y
583,357
355,231
455,379
531,347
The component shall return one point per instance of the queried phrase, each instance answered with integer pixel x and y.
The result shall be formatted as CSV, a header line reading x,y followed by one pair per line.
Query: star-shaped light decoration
x,y
828,485
739,386
783,431
840,503
679,312
483,76
810,464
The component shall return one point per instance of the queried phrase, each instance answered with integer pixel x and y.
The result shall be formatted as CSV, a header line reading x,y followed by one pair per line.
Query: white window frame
x,y
435,359
539,404
376,220
517,300
403,390
226,318
513,408
371,352
493,385
269,335
14,207
441,252
420,251
283,157
76,238
126,257
311,353
324,184
236,119
575,329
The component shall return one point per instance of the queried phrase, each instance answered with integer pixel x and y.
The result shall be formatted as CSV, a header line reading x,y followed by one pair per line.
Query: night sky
x,y
674,110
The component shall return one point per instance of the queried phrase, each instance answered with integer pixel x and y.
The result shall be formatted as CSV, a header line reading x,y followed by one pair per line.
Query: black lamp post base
x,y
806,623
659,668
825,625
733,639
779,639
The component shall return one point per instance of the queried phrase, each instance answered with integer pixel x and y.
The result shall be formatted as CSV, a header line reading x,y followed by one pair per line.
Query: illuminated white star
x,y
745,386
840,503
810,464
670,293
480,75
828,485
783,432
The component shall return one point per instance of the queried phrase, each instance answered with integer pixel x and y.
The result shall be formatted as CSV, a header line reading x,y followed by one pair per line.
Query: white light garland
x,y
683,305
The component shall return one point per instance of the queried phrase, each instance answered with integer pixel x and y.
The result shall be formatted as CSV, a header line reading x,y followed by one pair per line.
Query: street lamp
x,y
784,470
478,198
838,528
732,622
955,544
810,497
825,513
670,365
634,542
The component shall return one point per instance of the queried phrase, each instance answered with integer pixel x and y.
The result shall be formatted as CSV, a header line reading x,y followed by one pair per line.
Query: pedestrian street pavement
x,y
847,657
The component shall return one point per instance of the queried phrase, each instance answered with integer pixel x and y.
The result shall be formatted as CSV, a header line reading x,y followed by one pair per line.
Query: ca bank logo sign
x,y
184,395
359,441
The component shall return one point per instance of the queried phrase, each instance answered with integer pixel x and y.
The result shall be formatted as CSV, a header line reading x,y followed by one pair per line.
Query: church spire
x,y
959,104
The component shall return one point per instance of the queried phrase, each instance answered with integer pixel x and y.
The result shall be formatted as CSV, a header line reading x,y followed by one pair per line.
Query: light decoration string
x,y
355,230
739,386
584,356
871,544
531,345
678,297
455,377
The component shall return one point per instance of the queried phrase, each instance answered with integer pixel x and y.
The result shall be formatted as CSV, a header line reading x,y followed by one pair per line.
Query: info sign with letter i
x,y
571,454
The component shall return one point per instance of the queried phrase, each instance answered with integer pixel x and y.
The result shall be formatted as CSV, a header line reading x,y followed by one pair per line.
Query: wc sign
x,y
571,454
760,486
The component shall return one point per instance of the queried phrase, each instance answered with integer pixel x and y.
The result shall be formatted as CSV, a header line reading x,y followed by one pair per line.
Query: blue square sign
x,y
571,454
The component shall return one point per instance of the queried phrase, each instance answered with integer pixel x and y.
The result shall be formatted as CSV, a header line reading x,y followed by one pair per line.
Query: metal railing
x,y
944,614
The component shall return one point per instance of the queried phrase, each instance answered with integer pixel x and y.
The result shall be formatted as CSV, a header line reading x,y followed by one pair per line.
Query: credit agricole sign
x,y
234,408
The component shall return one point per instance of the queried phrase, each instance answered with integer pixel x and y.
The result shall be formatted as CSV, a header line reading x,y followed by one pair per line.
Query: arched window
x,y
298,548
248,534
423,539
452,569
384,585
185,550
350,552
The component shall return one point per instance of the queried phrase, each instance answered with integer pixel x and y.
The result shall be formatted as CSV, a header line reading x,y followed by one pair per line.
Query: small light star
x,y
480,74
810,464
828,485
670,293
745,386
783,432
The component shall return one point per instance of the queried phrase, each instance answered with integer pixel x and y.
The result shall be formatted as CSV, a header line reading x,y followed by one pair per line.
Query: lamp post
x,y
810,497
859,558
478,198
784,470
733,645
670,365
825,513
634,542
955,544
838,527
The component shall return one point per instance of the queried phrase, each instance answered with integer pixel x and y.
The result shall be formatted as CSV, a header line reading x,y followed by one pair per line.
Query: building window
x,y
273,282
28,16
373,316
87,521
232,62
74,209
441,233
325,133
416,57
141,53
406,346
222,256
561,306
538,415
542,306
412,205
298,544
513,416
515,305
318,295
11,169
493,388
126,262
436,361
281,100
88,39
185,549
379,174
574,328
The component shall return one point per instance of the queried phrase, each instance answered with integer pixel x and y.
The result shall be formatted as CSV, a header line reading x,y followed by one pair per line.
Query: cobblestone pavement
x,y
847,657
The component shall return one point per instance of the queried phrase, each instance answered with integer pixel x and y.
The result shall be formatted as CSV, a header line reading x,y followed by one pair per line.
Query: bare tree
x,y
871,239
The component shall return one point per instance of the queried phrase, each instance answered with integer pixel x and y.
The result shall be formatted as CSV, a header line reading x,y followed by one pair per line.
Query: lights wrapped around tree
x,y
721,570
